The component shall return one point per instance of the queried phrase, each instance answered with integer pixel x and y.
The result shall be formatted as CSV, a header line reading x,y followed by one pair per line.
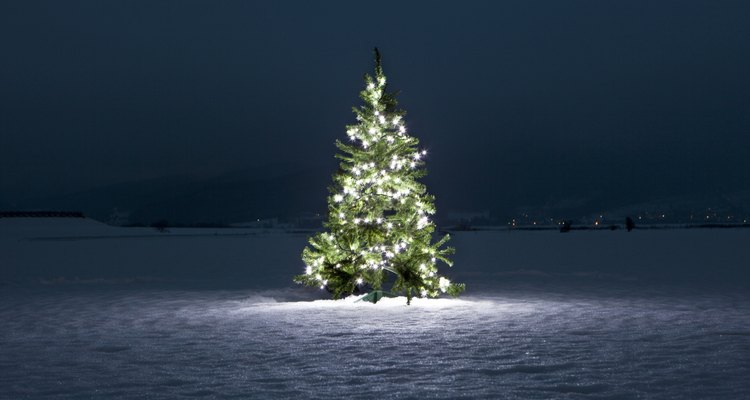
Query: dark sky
x,y
516,101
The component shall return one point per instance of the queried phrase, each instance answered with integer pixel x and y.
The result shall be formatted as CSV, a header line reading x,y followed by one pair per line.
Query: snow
x,y
91,311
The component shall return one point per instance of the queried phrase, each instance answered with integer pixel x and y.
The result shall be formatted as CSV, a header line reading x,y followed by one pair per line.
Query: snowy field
x,y
90,311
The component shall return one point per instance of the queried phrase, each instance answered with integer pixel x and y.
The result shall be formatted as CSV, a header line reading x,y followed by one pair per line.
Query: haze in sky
x,y
518,102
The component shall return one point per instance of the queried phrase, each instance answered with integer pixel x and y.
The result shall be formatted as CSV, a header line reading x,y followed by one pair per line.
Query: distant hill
x,y
283,192
286,192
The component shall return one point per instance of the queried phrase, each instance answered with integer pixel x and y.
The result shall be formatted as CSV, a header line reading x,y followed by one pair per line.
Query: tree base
x,y
375,296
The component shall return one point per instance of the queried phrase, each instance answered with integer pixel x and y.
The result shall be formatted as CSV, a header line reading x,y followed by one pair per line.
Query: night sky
x,y
524,102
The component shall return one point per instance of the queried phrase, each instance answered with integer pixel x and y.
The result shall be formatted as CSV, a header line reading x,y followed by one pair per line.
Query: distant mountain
x,y
287,191
283,191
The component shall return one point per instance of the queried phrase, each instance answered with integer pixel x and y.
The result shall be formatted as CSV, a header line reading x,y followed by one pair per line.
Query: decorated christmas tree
x,y
379,228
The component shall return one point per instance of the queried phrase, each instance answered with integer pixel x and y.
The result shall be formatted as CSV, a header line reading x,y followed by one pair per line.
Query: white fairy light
x,y
444,284
370,86
308,270
359,281
338,198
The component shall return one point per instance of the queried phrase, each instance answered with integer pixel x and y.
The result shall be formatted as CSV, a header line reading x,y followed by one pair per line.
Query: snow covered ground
x,y
91,311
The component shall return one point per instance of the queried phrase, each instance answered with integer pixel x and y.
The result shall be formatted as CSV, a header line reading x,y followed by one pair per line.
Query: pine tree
x,y
378,212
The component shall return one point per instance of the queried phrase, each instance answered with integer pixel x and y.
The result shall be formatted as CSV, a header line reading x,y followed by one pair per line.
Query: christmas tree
x,y
379,228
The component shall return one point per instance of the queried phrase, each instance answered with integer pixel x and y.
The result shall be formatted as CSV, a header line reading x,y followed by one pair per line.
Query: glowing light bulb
x,y
308,270
338,198
370,86
359,281
444,284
